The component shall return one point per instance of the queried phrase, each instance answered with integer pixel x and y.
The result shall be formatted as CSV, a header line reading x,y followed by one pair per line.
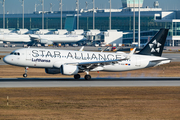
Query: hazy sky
x,y
14,6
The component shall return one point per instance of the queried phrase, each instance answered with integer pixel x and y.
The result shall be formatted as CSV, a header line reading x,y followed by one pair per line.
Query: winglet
x,y
131,53
82,48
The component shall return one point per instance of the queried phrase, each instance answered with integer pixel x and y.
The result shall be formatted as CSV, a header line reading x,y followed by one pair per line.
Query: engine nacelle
x,y
69,69
45,41
52,70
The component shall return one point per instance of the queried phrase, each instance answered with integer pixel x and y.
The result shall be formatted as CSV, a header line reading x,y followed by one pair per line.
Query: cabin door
x,y
28,54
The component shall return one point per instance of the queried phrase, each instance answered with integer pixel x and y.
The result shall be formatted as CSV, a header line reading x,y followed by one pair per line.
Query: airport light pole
x,y
139,27
110,16
42,3
93,16
86,5
60,9
51,6
134,23
3,4
36,5
22,13
77,7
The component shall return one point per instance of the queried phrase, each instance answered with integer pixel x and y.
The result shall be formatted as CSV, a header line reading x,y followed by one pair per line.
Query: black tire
x,y
24,75
87,77
77,76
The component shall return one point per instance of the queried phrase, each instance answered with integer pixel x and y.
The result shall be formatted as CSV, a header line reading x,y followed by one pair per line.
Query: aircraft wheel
x,y
24,75
77,76
87,77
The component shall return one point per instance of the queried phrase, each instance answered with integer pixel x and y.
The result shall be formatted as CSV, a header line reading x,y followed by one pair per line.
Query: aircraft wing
x,y
94,64
101,62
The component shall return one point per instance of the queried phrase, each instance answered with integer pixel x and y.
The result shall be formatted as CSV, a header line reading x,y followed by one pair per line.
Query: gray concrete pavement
x,y
101,82
174,56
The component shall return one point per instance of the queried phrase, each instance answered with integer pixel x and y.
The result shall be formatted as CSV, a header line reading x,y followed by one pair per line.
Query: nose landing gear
x,y
25,74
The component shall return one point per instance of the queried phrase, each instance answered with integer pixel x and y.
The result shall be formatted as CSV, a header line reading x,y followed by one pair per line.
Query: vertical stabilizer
x,y
156,44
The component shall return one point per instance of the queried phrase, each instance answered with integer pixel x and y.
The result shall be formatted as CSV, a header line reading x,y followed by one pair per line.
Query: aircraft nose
x,y
7,59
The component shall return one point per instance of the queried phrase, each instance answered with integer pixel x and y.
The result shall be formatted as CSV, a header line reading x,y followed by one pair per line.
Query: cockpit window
x,y
14,53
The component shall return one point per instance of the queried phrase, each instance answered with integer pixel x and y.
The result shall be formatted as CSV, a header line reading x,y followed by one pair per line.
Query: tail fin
x,y
156,45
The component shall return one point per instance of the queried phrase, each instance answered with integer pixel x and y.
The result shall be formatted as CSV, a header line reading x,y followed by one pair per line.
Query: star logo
x,y
155,46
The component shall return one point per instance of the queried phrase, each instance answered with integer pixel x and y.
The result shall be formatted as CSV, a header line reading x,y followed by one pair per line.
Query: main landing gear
x,y
77,76
87,77
25,74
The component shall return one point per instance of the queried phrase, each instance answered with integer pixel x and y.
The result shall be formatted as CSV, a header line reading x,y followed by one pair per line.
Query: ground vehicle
x,y
96,45
113,49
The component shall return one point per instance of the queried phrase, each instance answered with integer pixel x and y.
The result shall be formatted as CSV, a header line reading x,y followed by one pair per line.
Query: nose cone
x,y
7,59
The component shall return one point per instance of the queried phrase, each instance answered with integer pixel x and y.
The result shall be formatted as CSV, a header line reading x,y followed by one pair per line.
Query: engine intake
x,y
65,70
69,69
52,70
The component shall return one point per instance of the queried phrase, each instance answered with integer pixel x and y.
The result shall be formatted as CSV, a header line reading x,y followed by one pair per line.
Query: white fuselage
x,y
13,37
48,58
60,38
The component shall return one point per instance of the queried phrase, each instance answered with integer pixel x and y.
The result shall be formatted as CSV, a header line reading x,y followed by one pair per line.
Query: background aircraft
x,y
53,38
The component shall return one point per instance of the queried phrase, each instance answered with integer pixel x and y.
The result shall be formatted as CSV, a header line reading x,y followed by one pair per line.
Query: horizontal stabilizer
x,y
159,60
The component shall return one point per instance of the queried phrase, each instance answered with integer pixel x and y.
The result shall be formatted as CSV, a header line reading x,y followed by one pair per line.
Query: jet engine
x,y
69,69
45,41
52,70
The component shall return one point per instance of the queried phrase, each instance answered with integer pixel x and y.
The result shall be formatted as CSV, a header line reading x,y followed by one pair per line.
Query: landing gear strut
x,y
87,77
77,76
25,74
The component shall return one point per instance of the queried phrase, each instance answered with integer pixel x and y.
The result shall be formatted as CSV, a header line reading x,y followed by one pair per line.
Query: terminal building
x,y
152,19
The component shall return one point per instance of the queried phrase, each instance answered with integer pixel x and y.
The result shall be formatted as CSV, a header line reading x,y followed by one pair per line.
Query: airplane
x,y
15,38
53,38
69,62
43,39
